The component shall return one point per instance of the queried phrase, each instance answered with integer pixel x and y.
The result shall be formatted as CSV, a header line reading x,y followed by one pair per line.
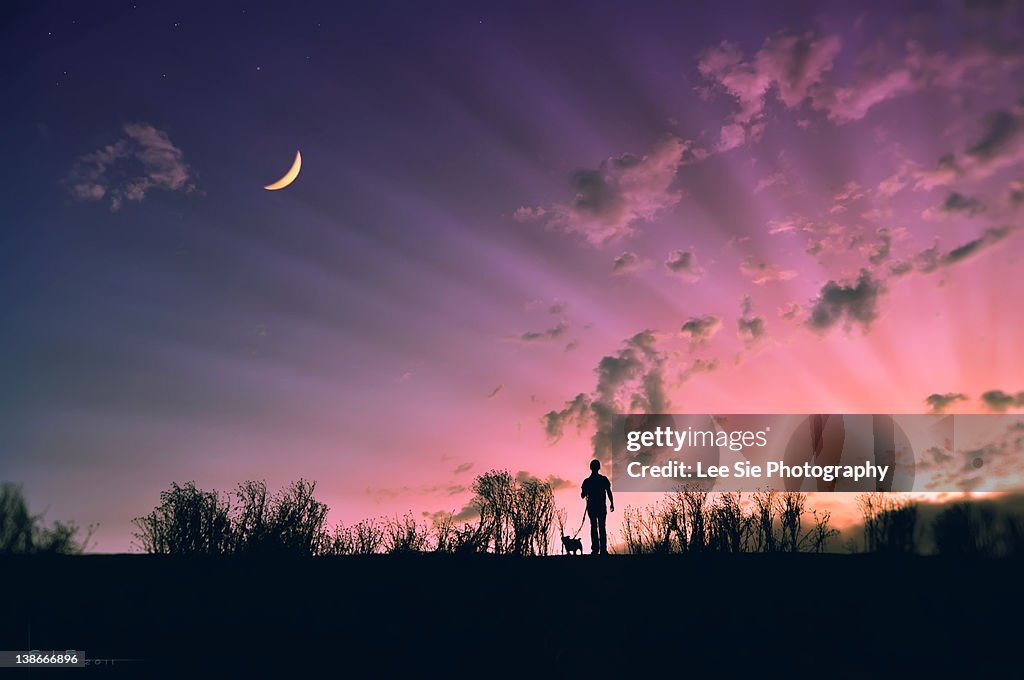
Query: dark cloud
x,y
493,393
932,258
628,263
698,366
552,333
997,400
883,249
127,170
553,481
571,345
683,264
856,303
955,205
939,402
750,328
958,203
1000,145
608,201
1016,192
630,380
575,411
901,267
971,248
700,329
463,467
469,512
761,272
1002,129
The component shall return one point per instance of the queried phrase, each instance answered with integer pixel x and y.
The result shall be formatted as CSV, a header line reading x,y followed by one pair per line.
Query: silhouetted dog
x,y
571,545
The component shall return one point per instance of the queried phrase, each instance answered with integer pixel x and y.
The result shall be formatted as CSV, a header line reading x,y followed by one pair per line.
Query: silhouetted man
x,y
594,489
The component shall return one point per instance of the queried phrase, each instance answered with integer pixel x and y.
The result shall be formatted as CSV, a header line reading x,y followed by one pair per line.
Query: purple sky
x,y
508,221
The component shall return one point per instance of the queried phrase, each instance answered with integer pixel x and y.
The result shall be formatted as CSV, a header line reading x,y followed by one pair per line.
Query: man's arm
x,y
610,497
583,490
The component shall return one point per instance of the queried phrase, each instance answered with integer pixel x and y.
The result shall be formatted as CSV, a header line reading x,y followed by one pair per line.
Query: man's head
x,y
595,465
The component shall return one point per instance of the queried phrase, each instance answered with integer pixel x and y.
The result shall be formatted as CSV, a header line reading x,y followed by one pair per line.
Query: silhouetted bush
x,y
821,533
693,521
363,538
766,506
533,513
653,529
1013,536
464,538
297,522
188,521
890,523
516,516
252,524
404,534
468,538
965,529
22,533
729,527
791,512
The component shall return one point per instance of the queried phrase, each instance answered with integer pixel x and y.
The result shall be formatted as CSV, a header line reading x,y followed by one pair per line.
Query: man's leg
x,y
595,540
604,535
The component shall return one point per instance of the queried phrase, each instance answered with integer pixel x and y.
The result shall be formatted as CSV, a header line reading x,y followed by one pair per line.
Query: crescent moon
x,y
289,176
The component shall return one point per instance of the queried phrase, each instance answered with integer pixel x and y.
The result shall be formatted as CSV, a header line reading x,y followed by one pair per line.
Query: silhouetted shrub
x,y
821,533
693,521
653,529
729,527
404,534
766,506
297,521
191,521
516,515
363,538
890,523
367,537
533,512
965,529
1013,536
22,533
251,517
188,521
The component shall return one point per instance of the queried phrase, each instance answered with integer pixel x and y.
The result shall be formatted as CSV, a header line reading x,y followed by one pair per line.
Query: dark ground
x,y
830,615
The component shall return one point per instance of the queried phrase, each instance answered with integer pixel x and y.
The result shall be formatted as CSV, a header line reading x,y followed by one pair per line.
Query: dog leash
x,y
582,522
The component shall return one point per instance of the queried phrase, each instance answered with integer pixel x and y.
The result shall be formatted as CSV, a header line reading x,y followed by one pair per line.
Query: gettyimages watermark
x,y
819,452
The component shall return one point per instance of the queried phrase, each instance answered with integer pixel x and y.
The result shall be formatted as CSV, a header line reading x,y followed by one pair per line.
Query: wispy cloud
x,y
792,64
127,170
761,272
749,327
683,264
552,333
608,201
629,263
